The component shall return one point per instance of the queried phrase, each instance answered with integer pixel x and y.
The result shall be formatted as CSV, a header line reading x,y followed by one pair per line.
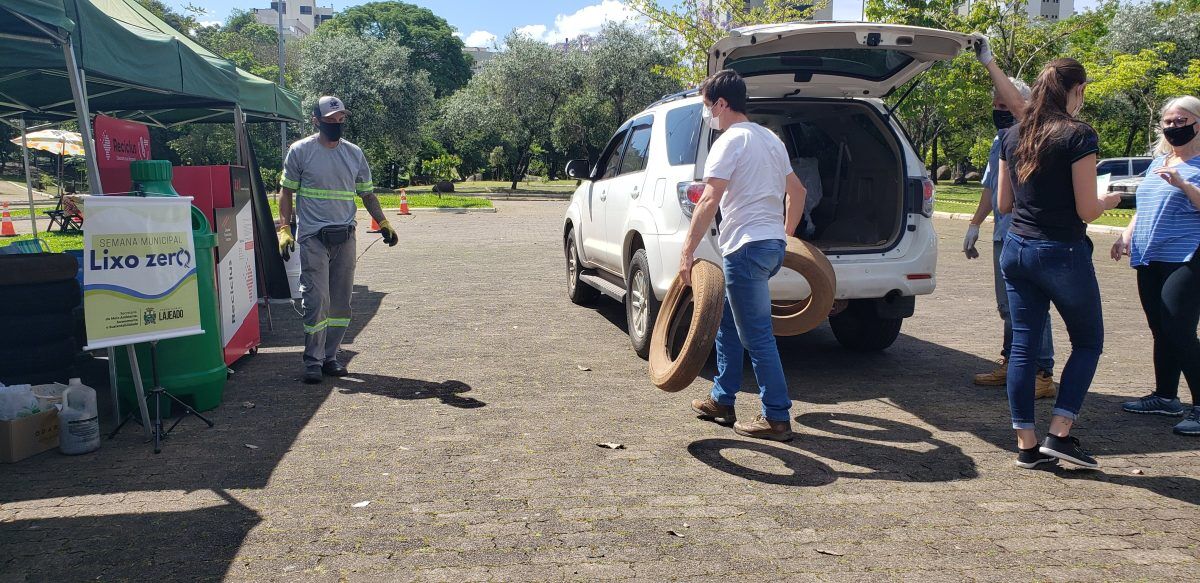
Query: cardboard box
x,y
26,436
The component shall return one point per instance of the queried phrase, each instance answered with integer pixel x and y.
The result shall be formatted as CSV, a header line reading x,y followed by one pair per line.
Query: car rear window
x,y
870,64
683,134
1140,166
1114,167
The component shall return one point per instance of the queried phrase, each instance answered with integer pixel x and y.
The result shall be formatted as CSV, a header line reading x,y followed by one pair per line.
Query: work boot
x,y
312,375
1045,387
995,378
761,428
333,368
710,410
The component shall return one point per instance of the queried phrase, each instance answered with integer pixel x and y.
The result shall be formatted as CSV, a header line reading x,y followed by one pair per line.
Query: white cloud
x,y
586,20
207,23
479,38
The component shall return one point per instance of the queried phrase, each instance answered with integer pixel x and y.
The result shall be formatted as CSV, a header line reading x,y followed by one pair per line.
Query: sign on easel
x,y
139,270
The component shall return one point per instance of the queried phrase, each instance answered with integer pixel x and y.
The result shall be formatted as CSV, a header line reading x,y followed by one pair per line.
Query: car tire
x,y
578,291
34,358
35,268
33,329
860,328
39,298
641,306
680,343
795,318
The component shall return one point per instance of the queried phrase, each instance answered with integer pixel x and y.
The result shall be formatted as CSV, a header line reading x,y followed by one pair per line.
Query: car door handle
x,y
635,192
603,195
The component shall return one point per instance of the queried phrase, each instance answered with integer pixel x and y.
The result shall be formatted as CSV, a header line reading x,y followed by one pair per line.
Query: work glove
x,y
287,244
983,49
389,234
970,240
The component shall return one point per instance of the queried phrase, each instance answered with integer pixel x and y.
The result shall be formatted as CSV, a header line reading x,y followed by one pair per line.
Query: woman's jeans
x,y
1045,360
1037,272
1170,295
746,327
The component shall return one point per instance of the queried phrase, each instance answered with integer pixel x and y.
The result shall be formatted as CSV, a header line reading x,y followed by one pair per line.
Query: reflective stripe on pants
x,y
326,282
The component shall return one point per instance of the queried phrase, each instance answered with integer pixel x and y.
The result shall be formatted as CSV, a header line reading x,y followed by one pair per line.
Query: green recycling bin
x,y
193,367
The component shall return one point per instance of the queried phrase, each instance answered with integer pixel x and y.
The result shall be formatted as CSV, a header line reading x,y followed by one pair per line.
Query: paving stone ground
x,y
470,427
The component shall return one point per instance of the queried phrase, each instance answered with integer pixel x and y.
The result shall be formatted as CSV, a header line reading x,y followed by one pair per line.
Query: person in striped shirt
x,y
1161,242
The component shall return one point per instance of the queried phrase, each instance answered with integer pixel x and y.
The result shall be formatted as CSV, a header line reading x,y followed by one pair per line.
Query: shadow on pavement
x,y
448,392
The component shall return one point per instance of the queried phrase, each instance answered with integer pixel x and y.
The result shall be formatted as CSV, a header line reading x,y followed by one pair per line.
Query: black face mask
x,y
1003,119
1180,136
331,131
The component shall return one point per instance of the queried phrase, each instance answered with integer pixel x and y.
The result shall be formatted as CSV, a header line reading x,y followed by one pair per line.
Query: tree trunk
x,y
1133,132
935,159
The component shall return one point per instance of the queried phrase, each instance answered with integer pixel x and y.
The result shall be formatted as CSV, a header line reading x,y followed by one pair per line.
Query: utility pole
x,y
283,143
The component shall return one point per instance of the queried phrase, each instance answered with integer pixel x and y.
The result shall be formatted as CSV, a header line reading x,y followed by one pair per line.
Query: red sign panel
x,y
118,143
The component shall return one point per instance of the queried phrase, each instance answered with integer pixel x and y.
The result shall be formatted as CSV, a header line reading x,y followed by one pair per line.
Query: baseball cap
x,y
328,105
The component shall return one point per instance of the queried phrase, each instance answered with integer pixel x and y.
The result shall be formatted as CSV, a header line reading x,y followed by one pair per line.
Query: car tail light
x,y
927,199
689,194
919,276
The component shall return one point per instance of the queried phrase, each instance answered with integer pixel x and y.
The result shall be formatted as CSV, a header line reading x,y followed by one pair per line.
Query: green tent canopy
x,y
134,65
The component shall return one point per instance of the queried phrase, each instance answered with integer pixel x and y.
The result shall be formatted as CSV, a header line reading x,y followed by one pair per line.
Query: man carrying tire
x,y
326,172
747,174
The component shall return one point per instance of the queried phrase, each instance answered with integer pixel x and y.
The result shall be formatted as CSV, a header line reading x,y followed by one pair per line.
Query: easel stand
x,y
156,428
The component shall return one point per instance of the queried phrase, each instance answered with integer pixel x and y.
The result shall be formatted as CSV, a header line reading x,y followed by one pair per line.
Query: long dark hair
x,y
1046,118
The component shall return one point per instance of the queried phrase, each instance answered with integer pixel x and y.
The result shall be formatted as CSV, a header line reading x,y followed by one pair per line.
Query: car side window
x,y
683,134
610,162
637,152
1140,166
1114,167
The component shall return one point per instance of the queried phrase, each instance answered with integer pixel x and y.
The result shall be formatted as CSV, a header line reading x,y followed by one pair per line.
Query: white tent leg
x,y
28,180
79,92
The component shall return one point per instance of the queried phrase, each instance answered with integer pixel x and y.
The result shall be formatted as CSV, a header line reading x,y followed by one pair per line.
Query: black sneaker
x,y
1068,449
333,368
312,375
1032,458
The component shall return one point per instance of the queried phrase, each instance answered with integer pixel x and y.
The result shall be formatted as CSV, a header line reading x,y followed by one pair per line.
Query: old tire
x,y
34,329
860,328
34,268
681,341
578,291
39,298
641,307
34,358
794,318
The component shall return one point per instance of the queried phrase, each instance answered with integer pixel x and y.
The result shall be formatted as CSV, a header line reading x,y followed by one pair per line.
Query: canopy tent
x,y
134,67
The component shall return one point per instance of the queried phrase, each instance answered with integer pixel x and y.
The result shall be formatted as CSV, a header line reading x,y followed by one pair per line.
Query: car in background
x,y
1127,174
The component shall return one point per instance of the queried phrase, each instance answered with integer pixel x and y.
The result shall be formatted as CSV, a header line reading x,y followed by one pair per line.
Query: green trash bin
x,y
193,367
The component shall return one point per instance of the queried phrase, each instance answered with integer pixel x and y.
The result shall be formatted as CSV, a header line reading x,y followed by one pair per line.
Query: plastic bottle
x,y
79,420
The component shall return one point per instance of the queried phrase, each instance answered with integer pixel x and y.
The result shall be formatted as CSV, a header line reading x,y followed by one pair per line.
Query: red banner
x,y
118,143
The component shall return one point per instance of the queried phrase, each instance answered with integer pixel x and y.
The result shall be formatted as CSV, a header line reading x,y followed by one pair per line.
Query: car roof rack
x,y
675,97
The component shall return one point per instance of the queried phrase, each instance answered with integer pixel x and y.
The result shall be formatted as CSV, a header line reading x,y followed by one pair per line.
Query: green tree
x,y
390,101
431,39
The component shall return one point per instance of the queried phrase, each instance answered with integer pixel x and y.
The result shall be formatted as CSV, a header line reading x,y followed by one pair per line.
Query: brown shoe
x,y
711,410
1045,386
995,378
761,428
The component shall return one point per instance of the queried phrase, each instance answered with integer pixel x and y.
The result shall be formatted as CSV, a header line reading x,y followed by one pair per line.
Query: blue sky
x,y
478,21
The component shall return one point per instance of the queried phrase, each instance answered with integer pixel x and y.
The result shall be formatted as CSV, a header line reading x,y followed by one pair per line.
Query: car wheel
x,y
794,318
641,307
686,327
578,291
860,328
34,268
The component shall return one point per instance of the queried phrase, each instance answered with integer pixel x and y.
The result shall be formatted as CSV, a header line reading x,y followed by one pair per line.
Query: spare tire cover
x,y
793,318
707,296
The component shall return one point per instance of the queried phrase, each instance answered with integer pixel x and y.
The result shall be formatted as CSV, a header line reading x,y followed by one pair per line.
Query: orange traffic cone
x,y
404,202
6,224
374,226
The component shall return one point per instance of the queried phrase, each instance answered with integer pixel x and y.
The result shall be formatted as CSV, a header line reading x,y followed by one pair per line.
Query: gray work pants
x,y
326,283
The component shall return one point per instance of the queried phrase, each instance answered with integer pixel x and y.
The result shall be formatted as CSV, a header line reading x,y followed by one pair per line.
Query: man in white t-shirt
x,y
747,175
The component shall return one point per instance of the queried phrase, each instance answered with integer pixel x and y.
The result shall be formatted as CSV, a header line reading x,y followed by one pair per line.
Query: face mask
x,y
331,131
1003,119
713,122
1180,136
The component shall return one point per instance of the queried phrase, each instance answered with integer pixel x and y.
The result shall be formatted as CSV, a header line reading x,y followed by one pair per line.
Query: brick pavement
x,y
471,429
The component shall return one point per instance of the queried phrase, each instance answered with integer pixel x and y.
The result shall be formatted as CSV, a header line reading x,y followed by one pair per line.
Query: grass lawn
x,y
955,198
414,201
58,242
502,187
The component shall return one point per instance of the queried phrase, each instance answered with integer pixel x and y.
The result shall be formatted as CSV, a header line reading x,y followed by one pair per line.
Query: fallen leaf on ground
x,y
250,446
611,445
402,447
248,405
582,368
675,533
830,553
362,504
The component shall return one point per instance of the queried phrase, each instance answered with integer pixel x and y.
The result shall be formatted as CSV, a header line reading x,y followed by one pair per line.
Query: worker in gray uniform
x,y
326,173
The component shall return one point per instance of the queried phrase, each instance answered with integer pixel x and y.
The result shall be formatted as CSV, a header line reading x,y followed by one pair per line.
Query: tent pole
x,y
28,180
79,92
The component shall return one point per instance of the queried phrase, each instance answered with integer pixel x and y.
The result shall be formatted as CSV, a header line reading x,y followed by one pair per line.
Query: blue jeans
x,y
1045,359
1037,272
746,326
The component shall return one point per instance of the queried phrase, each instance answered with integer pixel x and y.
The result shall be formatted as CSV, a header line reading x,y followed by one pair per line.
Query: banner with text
x,y
119,142
139,276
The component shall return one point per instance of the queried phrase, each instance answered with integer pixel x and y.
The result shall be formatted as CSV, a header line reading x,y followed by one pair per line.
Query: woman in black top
x,y
1047,180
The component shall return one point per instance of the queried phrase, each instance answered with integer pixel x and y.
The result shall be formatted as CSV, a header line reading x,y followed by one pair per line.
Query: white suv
x,y
819,87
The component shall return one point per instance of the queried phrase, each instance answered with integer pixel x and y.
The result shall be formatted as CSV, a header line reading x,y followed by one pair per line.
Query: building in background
x,y
1047,9
300,17
481,55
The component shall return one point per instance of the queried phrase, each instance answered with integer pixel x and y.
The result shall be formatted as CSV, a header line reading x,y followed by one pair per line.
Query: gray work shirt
x,y
326,181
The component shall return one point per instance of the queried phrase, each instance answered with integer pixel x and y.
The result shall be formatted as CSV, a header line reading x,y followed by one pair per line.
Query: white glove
x,y
970,240
983,49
